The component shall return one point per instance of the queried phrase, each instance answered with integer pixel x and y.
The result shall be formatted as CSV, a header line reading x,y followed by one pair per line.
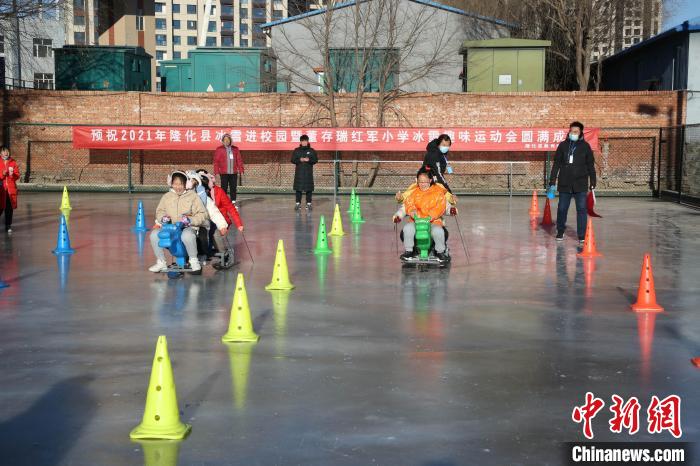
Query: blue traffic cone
x,y
63,241
140,219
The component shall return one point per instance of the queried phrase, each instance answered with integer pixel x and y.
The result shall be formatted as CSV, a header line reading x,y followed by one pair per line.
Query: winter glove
x,y
166,219
186,222
551,192
396,219
453,211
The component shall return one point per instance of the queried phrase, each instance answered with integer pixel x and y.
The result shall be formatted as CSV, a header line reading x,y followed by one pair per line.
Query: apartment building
x,y
630,22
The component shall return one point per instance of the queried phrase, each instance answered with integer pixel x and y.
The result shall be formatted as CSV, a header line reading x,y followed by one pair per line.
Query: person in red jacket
x,y
228,164
222,202
9,174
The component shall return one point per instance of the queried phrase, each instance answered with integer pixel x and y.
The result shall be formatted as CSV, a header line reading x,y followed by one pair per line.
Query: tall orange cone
x,y
534,206
589,249
646,296
547,217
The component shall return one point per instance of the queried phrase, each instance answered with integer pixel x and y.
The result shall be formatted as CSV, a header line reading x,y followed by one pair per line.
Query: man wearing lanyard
x,y
574,169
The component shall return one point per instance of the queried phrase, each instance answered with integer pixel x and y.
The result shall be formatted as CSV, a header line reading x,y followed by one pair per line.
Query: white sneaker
x,y
160,266
9,231
195,265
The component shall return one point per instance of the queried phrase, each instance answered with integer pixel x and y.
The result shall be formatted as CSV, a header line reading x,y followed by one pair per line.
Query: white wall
x,y
297,43
693,110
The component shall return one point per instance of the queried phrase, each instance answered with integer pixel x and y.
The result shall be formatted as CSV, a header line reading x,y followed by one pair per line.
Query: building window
x,y
158,71
278,4
259,43
160,23
79,20
226,10
380,63
160,55
227,26
244,13
42,48
161,39
192,25
160,7
637,23
278,14
259,13
212,26
158,86
627,41
176,8
191,9
213,10
2,44
636,40
244,2
139,20
191,40
244,29
43,80
176,40
78,4
177,55
211,42
176,24
244,42
637,32
227,41
79,38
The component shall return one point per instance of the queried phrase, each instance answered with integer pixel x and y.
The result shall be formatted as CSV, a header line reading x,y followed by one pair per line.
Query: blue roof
x,y
437,5
691,25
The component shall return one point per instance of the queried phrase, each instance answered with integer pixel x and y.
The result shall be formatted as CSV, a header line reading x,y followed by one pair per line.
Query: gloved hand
x,y
166,219
396,219
186,221
592,186
453,211
551,191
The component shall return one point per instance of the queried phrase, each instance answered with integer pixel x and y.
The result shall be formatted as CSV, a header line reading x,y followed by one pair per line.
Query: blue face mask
x,y
444,149
573,137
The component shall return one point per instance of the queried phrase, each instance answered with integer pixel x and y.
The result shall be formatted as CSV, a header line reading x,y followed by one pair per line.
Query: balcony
x,y
226,11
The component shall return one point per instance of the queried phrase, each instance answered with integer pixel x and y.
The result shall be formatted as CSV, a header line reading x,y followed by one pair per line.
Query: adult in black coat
x,y
436,160
574,169
304,157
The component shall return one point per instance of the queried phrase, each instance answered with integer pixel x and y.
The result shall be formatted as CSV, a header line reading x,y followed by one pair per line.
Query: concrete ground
x,y
363,363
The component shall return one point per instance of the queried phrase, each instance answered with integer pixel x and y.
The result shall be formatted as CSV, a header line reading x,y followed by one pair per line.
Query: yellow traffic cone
x,y
65,201
280,301
159,452
161,418
239,358
280,274
240,327
337,227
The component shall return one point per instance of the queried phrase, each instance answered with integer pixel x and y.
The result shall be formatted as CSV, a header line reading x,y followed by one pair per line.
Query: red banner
x,y
322,139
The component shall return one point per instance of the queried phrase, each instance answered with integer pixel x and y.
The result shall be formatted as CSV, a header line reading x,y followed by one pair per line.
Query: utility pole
x,y
18,45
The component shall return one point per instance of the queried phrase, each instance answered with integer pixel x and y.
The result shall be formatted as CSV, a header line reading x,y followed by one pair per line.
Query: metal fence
x,y
628,163
679,164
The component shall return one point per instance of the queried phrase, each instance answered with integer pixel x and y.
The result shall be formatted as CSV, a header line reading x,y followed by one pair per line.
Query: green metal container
x,y
102,68
504,65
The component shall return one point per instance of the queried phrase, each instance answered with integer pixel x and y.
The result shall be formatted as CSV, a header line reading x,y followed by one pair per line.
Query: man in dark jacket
x,y
437,161
575,170
304,157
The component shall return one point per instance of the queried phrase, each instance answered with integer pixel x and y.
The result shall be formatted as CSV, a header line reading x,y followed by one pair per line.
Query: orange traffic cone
x,y
589,249
646,296
547,217
696,362
534,206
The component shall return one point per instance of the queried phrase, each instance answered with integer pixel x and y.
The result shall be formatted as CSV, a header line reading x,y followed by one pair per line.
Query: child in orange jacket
x,y
9,174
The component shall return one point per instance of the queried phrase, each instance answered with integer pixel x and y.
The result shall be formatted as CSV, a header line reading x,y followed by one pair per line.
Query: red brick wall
x,y
626,163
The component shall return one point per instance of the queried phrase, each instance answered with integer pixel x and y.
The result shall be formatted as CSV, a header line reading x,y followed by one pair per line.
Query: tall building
x,y
181,25
27,48
630,22
112,22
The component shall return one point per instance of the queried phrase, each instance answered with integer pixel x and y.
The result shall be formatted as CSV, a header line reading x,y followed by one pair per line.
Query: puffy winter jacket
x,y
8,182
429,203
176,205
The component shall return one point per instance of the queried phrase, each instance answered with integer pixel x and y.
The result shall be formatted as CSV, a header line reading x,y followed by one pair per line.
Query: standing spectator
x,y
228,164
574,169
304,157
9,174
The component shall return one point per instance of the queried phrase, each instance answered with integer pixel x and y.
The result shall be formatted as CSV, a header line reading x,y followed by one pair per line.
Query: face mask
x,y
573,137
444,149
5,156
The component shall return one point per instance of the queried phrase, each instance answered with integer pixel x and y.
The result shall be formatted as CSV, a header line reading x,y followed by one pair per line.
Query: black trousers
x,y
308,196
8,212
229,182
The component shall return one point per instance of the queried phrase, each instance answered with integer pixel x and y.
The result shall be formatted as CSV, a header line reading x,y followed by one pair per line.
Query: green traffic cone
x,y
322,239
356,215
351,207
